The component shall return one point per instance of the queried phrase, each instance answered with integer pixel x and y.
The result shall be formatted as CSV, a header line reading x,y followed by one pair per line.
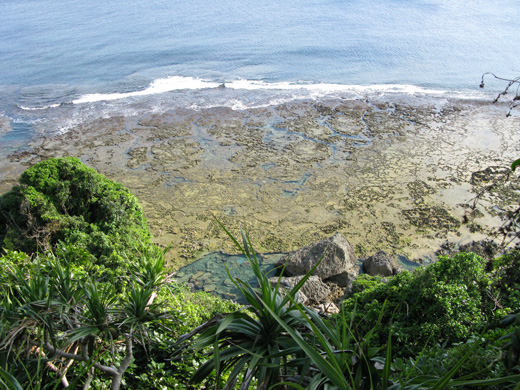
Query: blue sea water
x,y
62,63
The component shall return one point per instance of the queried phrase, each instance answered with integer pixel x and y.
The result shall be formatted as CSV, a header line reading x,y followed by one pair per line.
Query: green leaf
x,y
328,369
486,382
388,362
508,320
445,380
289,384
515,164
9,381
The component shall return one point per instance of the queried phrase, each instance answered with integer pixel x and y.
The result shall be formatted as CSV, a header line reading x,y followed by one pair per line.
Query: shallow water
x,y
210,272
66,65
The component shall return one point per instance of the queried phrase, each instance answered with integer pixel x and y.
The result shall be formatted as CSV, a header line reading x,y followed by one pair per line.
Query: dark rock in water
x,y
491,174
339,258
313,291
381,264
432,217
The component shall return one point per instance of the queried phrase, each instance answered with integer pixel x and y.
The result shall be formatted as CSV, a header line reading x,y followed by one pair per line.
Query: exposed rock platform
x,y
387,175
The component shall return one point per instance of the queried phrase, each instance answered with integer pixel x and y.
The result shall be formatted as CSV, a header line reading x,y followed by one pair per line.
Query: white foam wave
x,y
322,87
162,85
39,108
299,89
176,83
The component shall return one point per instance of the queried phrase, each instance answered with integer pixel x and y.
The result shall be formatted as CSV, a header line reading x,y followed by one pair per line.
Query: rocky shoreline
x,y
387,174
335,267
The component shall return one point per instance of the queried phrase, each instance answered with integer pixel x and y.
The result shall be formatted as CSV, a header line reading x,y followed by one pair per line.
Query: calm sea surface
x,y
62,63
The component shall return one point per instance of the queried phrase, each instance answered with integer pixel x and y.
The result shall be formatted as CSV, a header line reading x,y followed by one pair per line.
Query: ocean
x,y
63,63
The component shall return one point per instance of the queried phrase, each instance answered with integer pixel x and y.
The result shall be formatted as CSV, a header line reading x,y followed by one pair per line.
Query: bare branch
x,y
505,91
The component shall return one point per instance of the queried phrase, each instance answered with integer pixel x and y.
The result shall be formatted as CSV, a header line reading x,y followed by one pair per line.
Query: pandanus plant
x,y
276,342
61,320
251,343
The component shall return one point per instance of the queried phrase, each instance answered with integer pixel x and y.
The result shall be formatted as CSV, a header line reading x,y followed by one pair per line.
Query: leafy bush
x,y
153,367
445,301
195,308
62,201
506,272
52,315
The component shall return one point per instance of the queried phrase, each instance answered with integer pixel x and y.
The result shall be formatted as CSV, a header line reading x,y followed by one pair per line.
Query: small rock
x,y
380,264
327,308
344,279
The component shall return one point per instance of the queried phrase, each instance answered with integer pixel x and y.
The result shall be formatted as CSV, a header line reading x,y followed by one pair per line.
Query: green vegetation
x,y
85,302
284,343
63,205
456,289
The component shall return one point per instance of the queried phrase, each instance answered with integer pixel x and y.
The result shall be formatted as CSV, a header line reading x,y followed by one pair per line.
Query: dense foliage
x,y
287,343
62,204
457,290
72,312
82,331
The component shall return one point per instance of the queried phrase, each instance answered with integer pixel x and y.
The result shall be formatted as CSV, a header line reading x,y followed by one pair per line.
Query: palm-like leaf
x,y
68,291
9,381
252,341
149,271
100,313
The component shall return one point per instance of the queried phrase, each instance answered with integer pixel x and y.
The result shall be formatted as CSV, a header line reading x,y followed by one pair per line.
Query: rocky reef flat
x,y
387,174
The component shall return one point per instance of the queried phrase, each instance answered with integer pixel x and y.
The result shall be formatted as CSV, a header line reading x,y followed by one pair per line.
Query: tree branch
x,y
82,358
505,91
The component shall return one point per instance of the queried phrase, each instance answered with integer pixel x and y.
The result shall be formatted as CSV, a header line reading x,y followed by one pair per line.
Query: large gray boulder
x,y
313,291
339,259
380,264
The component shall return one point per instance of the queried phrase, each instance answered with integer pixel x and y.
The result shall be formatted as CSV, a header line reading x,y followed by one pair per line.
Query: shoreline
x,y
387,174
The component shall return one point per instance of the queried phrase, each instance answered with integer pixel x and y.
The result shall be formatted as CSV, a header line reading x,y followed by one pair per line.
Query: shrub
x,y
444,302
61,200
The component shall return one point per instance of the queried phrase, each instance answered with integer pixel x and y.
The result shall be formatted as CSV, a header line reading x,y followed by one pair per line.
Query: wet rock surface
x,y
386,174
